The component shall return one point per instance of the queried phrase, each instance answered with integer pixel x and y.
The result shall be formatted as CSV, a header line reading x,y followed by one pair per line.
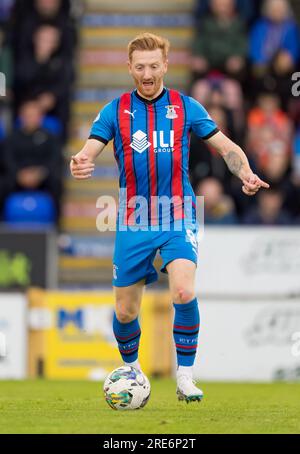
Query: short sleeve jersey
x,y
151,147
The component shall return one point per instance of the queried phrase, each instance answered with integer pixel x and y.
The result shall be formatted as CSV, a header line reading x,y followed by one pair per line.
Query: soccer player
x,y
150,127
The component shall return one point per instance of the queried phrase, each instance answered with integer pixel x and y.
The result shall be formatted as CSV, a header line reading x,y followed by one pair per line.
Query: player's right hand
x,y
81,167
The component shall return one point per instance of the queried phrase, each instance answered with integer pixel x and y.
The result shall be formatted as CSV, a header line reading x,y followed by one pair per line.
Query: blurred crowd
x,y
243,56
38,40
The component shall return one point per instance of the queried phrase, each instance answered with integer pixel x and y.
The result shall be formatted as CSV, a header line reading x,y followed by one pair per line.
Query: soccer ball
x,y
126,388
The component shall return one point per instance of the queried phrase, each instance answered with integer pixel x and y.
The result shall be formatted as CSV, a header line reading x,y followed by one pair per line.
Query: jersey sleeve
x,y
201,122
103,127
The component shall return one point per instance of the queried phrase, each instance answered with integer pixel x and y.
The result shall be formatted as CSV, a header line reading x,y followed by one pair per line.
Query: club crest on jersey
x,y
171,112
140,142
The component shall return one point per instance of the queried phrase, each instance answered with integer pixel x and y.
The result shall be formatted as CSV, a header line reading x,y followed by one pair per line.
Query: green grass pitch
x,y
79,407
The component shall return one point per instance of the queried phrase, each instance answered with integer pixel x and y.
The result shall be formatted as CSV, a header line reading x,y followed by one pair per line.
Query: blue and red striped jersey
x,y
151,146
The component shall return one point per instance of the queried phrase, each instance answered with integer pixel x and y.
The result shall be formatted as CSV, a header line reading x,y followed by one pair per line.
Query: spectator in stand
x,y
6,62
6,69
218,90
218,207
5,9
269,130
269,149
44,73
278,171
29,15
294,114
247,9
274,48
296,158
269,210
5,119
5,86
3,178
2,126
204,161
221,41
32,157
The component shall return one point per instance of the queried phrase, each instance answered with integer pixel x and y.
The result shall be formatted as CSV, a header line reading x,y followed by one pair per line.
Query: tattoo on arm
x,y
234,162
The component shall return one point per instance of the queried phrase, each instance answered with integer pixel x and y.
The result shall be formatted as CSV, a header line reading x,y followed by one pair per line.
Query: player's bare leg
x,y
126,325
186,326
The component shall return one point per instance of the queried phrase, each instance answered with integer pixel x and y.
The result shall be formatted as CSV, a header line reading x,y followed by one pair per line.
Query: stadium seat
x,y
32,207
51,123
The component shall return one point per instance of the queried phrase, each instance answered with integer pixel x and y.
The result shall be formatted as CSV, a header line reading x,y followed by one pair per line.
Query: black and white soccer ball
x,y
126,388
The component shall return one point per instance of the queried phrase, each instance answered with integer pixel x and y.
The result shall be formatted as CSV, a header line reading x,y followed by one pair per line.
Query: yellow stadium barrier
x,y
71,336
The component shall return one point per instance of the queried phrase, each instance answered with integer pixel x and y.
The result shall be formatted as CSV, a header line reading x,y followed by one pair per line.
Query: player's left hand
x,y
252,183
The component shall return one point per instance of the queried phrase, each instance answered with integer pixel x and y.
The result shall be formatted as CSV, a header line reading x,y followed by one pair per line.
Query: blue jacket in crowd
x,y
267,38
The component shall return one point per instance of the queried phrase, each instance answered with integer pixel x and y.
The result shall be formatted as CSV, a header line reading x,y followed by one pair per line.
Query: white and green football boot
x,y
186,389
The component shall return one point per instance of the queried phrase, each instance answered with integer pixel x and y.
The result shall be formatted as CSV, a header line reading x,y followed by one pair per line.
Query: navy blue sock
x,y
128,338
186,330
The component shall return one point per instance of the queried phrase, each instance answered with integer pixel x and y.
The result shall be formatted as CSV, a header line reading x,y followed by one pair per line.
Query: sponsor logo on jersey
x,y
140,141
160,143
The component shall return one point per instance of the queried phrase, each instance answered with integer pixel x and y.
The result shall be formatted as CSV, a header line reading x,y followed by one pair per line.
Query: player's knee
x,y
183,296
125,315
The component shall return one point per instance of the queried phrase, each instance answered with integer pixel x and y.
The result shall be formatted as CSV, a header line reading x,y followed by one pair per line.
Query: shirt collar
x,y
150,101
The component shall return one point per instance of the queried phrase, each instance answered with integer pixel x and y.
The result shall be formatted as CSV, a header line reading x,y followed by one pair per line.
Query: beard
x,y
148,89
